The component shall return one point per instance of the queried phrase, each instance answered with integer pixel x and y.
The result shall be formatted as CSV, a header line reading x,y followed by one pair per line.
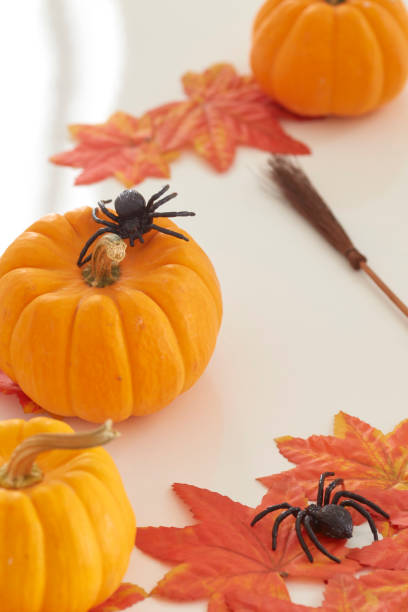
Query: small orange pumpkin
x,y
67,527
339,57
105,352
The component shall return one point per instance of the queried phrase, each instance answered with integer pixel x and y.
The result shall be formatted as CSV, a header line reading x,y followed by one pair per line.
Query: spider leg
x,y
167,231
260,515
321,487
102,221
156,196
360,499
330,488
364,512
313,537
294,510
88,243
182,213
139,236
107,212
299,520
153,207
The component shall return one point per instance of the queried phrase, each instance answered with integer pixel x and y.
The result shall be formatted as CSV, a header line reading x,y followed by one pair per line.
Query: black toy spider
x,y
133,219
325,516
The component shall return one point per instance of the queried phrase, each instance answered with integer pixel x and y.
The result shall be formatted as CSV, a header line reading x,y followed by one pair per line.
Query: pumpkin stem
x,y
335,2
21,471
104,268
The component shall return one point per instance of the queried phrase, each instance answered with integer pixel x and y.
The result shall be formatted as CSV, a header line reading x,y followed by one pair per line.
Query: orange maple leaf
x,y
389,553
123,147
242,600
222,552
126,595
225,110
369,460
379,591
9,387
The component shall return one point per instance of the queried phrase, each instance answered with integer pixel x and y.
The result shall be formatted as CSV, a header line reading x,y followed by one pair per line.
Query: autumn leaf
x,y
389,553
225,110
222,552
126,596
242,600
379,591
123,147
362,455
8,387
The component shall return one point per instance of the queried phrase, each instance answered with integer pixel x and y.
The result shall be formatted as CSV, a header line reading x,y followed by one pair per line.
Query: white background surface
x,y
303,335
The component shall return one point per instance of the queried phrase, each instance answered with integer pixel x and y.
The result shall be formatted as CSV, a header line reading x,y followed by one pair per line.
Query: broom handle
x,y
390,294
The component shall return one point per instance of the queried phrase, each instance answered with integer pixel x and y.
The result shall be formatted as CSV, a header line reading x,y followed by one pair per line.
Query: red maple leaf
x,y
367,459
126,595
379,591
390,553
242,600
225,110
8,387
223,552
123,147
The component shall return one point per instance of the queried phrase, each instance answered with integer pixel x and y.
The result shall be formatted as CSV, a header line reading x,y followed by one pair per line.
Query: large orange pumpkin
x,y
340,57
97,353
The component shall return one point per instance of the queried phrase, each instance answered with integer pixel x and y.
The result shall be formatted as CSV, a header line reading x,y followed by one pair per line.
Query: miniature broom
x,y
300,193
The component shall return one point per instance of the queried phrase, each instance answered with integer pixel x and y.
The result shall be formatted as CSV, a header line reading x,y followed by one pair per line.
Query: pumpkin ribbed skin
x,y
317,58
65,542
98,353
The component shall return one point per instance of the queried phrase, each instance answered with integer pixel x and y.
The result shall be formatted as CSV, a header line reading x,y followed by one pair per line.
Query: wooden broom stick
x,y
300,193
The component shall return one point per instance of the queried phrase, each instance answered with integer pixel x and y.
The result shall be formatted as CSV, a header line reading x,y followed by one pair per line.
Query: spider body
x,y
134,217
326,516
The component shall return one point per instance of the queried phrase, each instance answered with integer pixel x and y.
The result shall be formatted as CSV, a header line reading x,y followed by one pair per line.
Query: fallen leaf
x,y
123,147
223,552
379,591
126,596
362,455
225,110
389,553
242,600
8,387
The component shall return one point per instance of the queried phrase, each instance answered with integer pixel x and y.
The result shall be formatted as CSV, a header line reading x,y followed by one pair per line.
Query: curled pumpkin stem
x,y
104,269
21,470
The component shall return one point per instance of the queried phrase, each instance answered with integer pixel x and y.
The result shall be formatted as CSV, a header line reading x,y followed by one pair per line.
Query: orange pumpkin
x,y
125,349
340,57
67,527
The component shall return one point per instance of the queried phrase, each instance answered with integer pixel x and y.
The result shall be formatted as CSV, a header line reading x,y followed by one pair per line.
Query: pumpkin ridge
x,y
172,329
381,9
125,343
108,491
334,63
68,484
210,291
380,49
44,589
68,357
275,60
59,482
392,15
37,297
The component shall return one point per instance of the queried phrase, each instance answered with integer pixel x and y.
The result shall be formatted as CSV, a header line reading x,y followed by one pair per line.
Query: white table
x,y
303,335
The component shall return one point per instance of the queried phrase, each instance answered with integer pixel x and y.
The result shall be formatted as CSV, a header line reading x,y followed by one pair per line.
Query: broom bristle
x,y
300,193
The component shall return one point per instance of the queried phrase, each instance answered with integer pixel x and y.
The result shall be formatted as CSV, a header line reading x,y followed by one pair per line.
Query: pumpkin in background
x,y
339,57
67,527
105,352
